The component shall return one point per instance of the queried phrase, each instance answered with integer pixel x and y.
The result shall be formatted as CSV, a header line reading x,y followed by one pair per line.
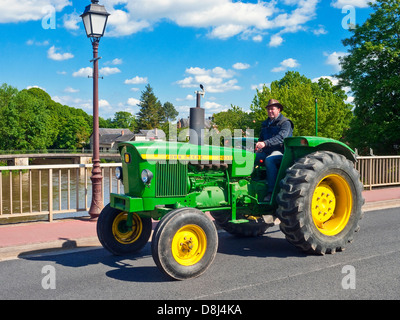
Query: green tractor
x,y
317,198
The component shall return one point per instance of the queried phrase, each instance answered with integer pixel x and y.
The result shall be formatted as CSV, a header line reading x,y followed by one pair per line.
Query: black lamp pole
x,y
95,20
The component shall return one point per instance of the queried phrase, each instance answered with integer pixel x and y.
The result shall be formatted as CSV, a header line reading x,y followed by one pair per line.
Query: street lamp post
x,y
95,21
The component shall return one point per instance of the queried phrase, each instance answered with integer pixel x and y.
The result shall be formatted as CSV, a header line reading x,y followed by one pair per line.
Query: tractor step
x,y
240,221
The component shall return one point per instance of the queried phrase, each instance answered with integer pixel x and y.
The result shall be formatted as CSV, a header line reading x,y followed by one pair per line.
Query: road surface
x,y
267,267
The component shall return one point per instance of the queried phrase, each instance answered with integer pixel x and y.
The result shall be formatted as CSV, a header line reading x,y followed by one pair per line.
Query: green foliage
x,y
24,122
234,118
151,112
371,69
32,120
297,94
123,119
170,111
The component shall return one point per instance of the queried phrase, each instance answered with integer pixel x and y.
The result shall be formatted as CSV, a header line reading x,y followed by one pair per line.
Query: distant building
x,y
184,123
109,138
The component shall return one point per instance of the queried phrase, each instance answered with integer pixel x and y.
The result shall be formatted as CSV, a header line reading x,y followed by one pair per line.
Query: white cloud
x,y
214,80
29,87
334,80
355,3
21,11
115,62
71,90
212,105
121,23
222,18
83,72
259,86
106,71
104,104
321,30
88,72
53,55
133,102
333,59
258,38
72,21
286,64
74,102
241,66
136,80
37,43
276,41
189,97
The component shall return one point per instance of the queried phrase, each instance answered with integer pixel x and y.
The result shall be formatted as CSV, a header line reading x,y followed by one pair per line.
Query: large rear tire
x,y
320,203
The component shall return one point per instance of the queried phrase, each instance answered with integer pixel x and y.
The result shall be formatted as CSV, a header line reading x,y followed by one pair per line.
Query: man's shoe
x,y
268,197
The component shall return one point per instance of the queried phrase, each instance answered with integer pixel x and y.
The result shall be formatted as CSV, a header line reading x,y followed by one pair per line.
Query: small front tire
x,y
116,237
184,243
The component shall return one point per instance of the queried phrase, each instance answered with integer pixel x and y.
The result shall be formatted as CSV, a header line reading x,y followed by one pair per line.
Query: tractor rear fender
x,y
304,145
298,147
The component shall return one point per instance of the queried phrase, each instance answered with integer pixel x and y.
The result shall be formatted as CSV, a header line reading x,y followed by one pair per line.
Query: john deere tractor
x,y
317,198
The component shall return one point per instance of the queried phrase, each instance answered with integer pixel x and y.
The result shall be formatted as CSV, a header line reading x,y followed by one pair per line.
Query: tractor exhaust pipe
x,y
196,121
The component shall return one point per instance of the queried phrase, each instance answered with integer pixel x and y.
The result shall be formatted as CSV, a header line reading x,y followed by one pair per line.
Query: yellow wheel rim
x,y
189,245
331,205
122,233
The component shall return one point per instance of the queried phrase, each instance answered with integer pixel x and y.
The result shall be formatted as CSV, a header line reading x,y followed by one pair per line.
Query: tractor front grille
x,y
171,179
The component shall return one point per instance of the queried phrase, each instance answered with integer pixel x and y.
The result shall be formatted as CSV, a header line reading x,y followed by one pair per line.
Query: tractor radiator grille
x,y
171,179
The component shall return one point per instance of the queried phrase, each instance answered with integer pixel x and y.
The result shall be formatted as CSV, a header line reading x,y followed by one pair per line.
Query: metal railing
x,y
379,171
51,189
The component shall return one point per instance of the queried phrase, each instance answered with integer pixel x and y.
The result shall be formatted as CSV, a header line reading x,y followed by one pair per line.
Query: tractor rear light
x,y
304,142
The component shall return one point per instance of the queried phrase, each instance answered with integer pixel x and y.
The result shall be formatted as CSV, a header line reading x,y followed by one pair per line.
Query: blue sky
x,y
231,47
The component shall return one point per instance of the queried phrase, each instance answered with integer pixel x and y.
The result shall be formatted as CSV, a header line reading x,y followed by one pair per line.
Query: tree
x,y
170,111
234,118
297,93
24,123
372,70
31,120
151,112
123,119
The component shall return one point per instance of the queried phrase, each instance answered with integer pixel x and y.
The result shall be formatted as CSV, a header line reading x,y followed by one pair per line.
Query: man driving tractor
x,y
269,147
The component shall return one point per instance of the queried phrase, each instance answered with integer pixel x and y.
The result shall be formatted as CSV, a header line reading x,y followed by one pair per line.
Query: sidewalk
x,y
18,240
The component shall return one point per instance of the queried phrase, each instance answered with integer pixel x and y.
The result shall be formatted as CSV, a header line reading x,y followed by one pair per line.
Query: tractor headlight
x,y
147,176
118,173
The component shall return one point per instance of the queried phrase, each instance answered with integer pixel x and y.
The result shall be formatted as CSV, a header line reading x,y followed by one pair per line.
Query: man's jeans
x,y
272,163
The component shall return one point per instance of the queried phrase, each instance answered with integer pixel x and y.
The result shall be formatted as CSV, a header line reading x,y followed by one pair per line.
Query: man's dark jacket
x,y
274,132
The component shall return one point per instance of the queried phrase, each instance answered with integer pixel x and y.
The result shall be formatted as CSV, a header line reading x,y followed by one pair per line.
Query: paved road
x,y
264,268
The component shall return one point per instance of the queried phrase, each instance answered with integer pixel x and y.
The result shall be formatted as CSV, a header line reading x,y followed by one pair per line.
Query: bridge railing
x,y
379,171
51,189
